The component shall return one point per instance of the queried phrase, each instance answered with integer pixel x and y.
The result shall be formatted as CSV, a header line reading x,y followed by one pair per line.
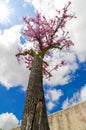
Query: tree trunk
x,y
35,116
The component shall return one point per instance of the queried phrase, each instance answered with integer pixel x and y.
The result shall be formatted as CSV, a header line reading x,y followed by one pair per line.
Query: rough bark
x,y
35,116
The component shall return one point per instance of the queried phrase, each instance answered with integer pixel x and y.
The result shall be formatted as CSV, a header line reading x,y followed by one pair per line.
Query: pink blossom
x,y
45,35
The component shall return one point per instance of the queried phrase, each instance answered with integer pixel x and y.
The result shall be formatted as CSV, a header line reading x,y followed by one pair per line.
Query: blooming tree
x,y
45,36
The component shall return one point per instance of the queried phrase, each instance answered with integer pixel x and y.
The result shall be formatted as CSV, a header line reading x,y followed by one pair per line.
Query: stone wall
x,y
73,118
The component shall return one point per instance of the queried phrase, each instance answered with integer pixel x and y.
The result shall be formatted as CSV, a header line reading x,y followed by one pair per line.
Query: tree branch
x,y
52,47
56,29
30,52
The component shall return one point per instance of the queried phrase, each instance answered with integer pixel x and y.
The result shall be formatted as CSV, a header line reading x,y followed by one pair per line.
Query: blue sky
x,y
67,87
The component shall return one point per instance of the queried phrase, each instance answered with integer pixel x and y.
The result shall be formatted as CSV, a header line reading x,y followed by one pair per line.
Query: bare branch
x,y
52,47
56,29
30,52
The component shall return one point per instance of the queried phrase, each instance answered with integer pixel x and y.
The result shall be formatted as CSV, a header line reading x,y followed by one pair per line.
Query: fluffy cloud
x,y
8,121
83,93
11,73
63,74
50,105
77,29
77,97
52,97
54,94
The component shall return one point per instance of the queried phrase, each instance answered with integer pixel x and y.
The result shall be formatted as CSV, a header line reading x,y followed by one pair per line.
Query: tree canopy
x,y
46,34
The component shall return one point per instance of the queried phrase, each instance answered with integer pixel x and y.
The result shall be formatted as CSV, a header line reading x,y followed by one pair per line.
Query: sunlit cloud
x,y
52,97
8,121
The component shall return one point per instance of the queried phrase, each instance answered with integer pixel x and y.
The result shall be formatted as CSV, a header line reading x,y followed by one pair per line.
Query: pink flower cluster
x,y
45,33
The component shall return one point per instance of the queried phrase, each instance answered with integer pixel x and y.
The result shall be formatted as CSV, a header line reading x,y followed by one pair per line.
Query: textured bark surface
x,y
35,117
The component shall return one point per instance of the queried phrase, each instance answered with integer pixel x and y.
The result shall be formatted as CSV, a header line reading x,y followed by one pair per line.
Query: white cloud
x,y
83,93
77,97
63,74
11,73
8,121
77,29
52,96
50,105
55,94
70,102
